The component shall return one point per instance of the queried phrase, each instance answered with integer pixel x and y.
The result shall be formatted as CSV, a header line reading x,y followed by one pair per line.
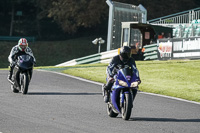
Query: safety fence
x,y
104,57
151,52
178,48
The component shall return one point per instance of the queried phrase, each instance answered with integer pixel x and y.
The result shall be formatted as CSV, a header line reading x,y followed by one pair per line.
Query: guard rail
x,y
151,52
104,57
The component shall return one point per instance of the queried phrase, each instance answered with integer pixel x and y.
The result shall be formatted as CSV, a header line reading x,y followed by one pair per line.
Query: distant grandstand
x,y
185,24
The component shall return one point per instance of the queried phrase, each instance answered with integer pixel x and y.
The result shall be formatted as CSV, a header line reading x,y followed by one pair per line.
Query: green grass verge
x,y
172,78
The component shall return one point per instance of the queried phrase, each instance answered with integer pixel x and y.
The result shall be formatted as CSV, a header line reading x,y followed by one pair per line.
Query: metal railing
x,y
185,24
184,17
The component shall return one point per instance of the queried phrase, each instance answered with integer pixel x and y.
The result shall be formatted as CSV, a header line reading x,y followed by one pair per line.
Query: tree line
x,y
58,19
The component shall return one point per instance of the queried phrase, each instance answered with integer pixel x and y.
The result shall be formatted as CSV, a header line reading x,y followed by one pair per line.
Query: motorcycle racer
x,y
20,49
118,62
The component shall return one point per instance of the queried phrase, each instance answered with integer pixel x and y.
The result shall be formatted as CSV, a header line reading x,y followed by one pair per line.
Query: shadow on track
x,y
164,119
60,93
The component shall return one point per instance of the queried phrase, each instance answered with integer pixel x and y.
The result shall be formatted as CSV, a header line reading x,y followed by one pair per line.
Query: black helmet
x,y
125,53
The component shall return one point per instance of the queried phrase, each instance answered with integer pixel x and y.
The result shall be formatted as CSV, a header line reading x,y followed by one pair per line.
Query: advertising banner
x,y
164,50
188,48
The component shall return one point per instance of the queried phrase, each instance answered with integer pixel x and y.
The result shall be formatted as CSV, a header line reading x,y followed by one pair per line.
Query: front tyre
x,y
127,106
24,82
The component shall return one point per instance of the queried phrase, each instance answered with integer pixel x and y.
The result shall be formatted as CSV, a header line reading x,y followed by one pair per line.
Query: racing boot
x,y
103,89
10,74
106,91
106,97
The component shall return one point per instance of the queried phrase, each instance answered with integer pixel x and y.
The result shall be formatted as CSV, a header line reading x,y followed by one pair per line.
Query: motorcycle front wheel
x,y
24,82
127,106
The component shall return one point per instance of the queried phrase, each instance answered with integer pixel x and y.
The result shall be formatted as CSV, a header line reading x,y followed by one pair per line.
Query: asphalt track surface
x,y
61,104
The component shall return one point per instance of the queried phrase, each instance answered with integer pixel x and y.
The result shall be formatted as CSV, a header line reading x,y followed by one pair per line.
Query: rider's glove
x,y
110,79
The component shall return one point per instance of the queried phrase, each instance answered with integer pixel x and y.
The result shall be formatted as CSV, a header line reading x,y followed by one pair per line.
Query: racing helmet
x,y
125,53
22,44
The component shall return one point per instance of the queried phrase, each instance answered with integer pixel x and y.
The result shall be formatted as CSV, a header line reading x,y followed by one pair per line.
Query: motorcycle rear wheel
x,y
24,83
127,106
110,111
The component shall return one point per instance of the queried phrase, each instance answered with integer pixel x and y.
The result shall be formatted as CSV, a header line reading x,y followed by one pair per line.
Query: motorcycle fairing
x,y
25,62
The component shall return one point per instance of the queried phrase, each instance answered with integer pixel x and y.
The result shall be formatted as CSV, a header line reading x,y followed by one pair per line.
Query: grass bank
x,y
49,53
172,78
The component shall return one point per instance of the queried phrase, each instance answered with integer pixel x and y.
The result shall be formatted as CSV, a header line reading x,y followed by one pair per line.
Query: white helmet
x,y
22,44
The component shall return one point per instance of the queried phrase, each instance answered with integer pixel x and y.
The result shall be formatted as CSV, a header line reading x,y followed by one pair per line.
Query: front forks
x,y
121,98
133,93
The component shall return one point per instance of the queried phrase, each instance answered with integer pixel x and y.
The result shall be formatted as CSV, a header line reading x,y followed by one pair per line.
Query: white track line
x,y
179,99
97,83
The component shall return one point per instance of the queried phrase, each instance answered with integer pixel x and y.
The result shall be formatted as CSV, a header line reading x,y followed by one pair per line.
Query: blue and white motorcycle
x,y
123,92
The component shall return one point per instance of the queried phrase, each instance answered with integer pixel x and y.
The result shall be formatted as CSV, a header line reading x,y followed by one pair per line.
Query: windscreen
x,y
127,71
24,57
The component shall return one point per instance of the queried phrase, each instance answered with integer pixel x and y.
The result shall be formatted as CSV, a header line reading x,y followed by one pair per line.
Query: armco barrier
x,y
151,52
89,59
104,57
107,56
68,63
